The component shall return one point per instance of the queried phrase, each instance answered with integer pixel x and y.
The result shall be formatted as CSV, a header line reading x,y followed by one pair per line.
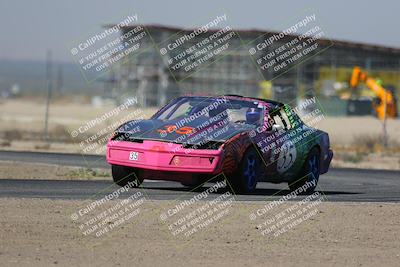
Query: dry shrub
x,y
42,146
60,133
367,143
351,157
11,135
5,143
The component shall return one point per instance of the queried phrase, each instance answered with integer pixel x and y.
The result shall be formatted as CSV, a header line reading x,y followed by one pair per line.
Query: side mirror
x,y
276,127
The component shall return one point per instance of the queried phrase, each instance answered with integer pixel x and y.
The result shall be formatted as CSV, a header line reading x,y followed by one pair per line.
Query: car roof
x,y
255,98
238,97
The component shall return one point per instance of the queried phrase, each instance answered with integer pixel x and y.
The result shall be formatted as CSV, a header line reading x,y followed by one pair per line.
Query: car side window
x,y
292,118
285,117
280,118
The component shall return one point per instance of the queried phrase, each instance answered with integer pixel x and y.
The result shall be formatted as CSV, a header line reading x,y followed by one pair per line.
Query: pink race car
x,y
195,138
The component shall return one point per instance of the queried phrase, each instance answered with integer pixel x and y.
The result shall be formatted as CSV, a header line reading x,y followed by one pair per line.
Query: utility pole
x,y
48,85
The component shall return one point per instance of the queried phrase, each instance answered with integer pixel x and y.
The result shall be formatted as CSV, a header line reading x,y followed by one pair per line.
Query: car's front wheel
x,y
245,179
309,175
123,176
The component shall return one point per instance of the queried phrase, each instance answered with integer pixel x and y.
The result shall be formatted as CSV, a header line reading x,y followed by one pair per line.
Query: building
x,y
147,75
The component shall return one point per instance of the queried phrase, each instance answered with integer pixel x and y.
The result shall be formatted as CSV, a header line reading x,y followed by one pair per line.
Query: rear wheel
x,y
123,176
310,173
246,177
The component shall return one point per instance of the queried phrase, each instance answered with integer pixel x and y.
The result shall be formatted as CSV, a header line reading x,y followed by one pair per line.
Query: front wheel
x,y
123,176
246,177
309,175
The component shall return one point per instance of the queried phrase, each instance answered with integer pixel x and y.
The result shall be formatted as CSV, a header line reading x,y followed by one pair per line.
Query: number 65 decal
x,y
287,156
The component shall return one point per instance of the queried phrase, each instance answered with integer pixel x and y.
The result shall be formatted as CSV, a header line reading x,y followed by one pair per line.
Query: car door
x,y
269,140
286,153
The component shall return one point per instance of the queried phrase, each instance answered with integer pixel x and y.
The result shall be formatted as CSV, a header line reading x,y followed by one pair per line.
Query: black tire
x,y
309,173
244,181
123,175
197,181
190,185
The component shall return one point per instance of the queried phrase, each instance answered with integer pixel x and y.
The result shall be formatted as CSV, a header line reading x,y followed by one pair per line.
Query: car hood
x,y
155,129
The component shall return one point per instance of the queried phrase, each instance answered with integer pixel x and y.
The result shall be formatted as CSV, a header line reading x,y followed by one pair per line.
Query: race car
x,y
196,139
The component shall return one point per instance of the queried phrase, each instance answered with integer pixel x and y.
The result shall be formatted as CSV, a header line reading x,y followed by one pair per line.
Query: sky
x,y
29,28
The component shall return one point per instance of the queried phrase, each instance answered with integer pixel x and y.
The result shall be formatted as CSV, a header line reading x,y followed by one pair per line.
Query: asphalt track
x,y
355,185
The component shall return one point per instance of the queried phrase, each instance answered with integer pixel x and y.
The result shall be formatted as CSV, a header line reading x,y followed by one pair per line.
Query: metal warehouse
x,y
234,72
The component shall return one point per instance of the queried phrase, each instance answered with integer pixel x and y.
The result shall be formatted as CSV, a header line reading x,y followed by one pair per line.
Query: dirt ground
x,y
344,130
43,232
376,161
18,170
38,232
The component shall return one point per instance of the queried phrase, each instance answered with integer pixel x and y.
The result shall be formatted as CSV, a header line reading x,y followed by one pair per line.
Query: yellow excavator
x,y
385,106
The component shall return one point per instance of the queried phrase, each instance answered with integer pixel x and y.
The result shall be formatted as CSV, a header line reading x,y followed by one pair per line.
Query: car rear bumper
x,y
326,161
163,156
